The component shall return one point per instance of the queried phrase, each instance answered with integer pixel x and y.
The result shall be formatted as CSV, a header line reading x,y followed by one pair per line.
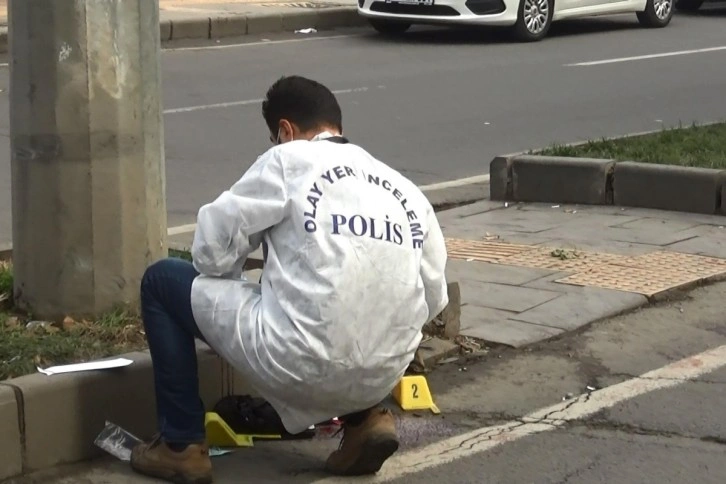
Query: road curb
x,y
53,420
555,179
219,27
238,25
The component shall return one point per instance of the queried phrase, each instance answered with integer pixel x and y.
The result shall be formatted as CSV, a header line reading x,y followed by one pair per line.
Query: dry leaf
x,y
68,323
12,322
467,343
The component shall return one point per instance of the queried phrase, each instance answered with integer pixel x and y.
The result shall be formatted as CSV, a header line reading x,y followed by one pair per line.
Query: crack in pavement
x,y
639,430
580,470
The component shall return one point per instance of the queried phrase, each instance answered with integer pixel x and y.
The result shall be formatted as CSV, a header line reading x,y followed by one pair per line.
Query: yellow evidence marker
x,y
412,393
219,434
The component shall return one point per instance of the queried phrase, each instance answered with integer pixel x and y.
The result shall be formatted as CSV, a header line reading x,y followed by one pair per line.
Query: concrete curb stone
x,y
230,26
566,180
264,23
667,187
165,30
552,179
303,20
11,447
190,28
500,173
61,415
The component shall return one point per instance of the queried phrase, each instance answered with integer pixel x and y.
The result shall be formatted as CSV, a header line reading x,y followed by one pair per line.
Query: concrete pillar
x,y
88,182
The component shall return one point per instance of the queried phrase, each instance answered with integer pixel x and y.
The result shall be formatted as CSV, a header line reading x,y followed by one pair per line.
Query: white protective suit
x,y
354,269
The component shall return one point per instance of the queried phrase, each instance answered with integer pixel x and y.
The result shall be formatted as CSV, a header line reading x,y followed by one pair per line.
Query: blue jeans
x,y
170,331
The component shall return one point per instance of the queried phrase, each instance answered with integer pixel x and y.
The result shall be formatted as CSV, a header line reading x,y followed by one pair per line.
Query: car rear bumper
x,y
465,12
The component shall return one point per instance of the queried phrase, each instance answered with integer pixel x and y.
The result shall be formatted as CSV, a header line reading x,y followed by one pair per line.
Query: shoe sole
x,y
375,451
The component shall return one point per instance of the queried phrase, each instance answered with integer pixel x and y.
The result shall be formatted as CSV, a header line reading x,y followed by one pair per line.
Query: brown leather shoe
x,y
190,466
365,447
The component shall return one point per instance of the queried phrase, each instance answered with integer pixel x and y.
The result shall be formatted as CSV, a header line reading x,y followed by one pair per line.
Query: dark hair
x,y
305,102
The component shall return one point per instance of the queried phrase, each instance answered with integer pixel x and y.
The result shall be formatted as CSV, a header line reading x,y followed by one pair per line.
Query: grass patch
x,y
181,254
6,283
26,344
698,146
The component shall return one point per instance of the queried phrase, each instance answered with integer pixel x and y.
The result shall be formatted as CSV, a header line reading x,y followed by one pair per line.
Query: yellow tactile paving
x,y
647,274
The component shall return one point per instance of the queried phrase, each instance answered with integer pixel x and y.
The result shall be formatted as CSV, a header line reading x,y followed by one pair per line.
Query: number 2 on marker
x,y
414,388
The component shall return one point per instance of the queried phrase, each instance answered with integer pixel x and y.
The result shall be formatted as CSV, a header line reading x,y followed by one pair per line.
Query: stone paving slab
x,y
505,297
494,305
496,326
571,311
485,272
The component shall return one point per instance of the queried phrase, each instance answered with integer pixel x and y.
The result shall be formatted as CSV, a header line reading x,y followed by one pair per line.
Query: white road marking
x,y
244,102
263,42
181,229
648,56
455,183
189,228
551,418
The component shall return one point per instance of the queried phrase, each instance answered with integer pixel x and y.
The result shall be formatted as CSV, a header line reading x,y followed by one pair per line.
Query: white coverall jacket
x,y
354,269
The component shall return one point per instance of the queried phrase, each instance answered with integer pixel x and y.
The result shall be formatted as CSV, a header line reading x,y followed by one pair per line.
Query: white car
x,y
530,20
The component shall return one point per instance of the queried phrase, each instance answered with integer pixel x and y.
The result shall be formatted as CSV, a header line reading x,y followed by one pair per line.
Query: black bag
x,y
255,416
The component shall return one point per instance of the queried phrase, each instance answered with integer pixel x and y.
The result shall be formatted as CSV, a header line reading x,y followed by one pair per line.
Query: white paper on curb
x,y
91,365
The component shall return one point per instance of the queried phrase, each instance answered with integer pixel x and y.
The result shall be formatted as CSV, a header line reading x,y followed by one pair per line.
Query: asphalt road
x,y
653,413
439,104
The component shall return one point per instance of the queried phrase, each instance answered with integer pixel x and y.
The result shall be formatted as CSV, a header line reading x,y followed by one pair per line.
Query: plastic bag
x,y
116,441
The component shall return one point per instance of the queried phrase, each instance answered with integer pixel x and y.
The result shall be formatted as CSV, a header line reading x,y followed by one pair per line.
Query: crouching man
x,y
354,268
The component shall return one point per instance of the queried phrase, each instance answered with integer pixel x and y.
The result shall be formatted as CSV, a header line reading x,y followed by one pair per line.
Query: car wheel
x,y
688,5
389,27
657,13
534,20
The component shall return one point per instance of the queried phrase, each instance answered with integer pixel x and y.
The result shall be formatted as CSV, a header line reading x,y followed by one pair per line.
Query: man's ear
x,y
287,131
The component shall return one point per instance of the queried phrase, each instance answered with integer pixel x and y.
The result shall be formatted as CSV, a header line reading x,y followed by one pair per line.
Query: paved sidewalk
x,y
508,257
187,10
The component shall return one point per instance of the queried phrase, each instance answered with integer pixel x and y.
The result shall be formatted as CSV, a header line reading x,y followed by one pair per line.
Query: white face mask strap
x,y
278,136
